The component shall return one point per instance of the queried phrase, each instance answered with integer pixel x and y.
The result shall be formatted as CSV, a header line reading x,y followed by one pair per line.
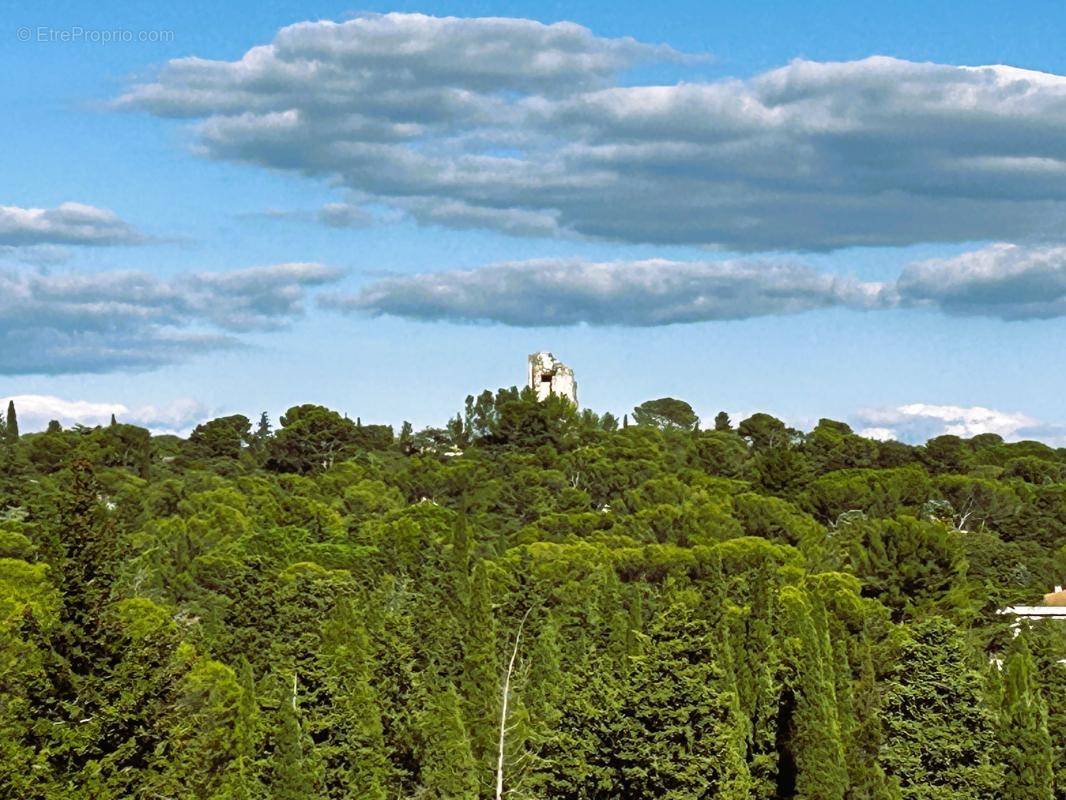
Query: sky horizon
x,y
815,212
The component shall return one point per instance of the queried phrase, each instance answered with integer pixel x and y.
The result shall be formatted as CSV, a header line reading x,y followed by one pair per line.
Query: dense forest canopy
x,y
338,610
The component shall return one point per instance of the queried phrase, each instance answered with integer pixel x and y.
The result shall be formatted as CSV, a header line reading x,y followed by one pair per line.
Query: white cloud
x,y
35,411
1003,280
880,434
66,224
445,64
101,322
635,293
39,255
524,127
918,422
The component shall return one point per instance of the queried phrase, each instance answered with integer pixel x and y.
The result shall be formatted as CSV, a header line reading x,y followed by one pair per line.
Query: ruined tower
x,y
548,376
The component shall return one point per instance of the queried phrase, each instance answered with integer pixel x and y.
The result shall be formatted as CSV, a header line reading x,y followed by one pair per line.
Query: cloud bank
x,y
35,411
919,422
66,224
527,128
628,293
102,322
1002,281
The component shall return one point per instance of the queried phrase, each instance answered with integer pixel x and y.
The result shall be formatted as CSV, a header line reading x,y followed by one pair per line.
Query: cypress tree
x,y
459,569
757,661
11,426
1024,730
292,777
260,437
242,782
543,691
578,758
447,767
814,745
481,671
406,438
940,737
89,557
683,735
358,725
448,604
868,781
1047,642
542,698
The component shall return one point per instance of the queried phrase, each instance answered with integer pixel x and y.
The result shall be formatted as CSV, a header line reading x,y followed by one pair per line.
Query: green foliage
x,y
765,431
666,413
874,492
448,767
908,565
11,424
220,438
313,438
1023,729
328,611
682,733
940,737
815,745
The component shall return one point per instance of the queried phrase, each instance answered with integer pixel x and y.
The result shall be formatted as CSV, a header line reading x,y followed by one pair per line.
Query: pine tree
x,y
1024,729
11,426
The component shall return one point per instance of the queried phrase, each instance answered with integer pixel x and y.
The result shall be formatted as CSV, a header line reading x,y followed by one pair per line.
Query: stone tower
x,y
548,376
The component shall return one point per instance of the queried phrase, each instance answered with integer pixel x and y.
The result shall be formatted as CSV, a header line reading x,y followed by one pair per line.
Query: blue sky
x,y
814,240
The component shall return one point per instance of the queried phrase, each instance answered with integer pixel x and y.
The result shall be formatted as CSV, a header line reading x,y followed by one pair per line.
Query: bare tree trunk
x,y
503,706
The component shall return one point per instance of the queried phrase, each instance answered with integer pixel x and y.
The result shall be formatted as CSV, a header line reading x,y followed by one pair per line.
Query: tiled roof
x,y
1055,599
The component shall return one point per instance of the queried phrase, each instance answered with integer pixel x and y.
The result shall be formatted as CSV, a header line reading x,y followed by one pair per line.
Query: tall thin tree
x,y
11,428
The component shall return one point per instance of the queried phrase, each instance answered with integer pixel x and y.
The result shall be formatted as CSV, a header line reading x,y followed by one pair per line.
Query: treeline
x,y
334,610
